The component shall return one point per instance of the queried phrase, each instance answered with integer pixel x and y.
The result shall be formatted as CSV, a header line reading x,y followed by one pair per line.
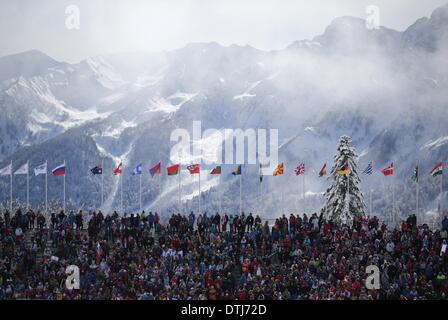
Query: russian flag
x,y
59,170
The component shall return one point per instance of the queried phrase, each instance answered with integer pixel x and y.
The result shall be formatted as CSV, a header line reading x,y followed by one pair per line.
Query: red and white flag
x,y
300,169
194,168
389,170
118,169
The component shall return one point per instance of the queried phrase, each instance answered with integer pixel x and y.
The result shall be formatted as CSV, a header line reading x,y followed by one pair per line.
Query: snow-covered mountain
x,y
387,89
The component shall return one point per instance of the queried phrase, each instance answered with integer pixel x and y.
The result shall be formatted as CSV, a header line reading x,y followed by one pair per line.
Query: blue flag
x,y
137,171
368,171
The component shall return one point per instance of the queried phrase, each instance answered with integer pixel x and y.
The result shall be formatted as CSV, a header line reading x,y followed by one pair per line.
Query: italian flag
x,y
438,170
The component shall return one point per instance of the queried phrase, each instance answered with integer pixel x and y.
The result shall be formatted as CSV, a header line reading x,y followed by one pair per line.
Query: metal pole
x,y
298,193
140,181
370,202
102,182
200,192
348,196
393,201
179,191
303,193
261,198
121,194
64,185
46,186
220,195
10,189
417,194
283,195
441,196
28,185
241,192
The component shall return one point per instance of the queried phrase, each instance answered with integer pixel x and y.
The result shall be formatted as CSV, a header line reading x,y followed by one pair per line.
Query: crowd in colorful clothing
x,y
218,257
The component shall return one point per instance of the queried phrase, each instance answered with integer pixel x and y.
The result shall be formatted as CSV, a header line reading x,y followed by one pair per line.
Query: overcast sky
x,y
111,26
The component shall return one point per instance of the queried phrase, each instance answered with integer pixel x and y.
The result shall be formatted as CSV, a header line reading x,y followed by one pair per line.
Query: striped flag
x,y
369,170
59,170
173,170
155,170
343,170
438,170
323,171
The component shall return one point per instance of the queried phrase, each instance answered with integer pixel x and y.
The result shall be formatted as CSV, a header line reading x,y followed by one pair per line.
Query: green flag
x,y
414,176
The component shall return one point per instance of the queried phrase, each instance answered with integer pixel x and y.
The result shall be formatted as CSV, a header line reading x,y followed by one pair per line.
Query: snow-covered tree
x,y
344,199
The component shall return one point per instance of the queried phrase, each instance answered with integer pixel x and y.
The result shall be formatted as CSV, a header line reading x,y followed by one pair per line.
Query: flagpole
x,y
298,191
393,200
348,194
160,191
28,185
200,191
417,191
46,186
441,195
220,195
283,195
64,185
140,182
121,195
180,201
241,192
370,202
102,182
259,197
10,189
303,192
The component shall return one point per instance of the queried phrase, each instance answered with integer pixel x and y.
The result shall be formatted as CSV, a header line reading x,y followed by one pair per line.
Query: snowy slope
x,y
387,89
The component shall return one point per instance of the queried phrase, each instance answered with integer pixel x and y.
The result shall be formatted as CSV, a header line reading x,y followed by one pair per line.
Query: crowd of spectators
x,y
218,256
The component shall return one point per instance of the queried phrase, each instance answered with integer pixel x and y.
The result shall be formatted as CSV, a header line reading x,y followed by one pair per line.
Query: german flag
x,y
343,171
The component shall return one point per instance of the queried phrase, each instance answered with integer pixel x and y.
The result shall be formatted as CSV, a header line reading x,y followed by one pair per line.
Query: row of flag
x,y
41,169
195,169
157,169
388,171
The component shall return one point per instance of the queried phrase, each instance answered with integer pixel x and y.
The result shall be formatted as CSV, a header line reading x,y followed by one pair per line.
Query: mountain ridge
x,y
349,80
